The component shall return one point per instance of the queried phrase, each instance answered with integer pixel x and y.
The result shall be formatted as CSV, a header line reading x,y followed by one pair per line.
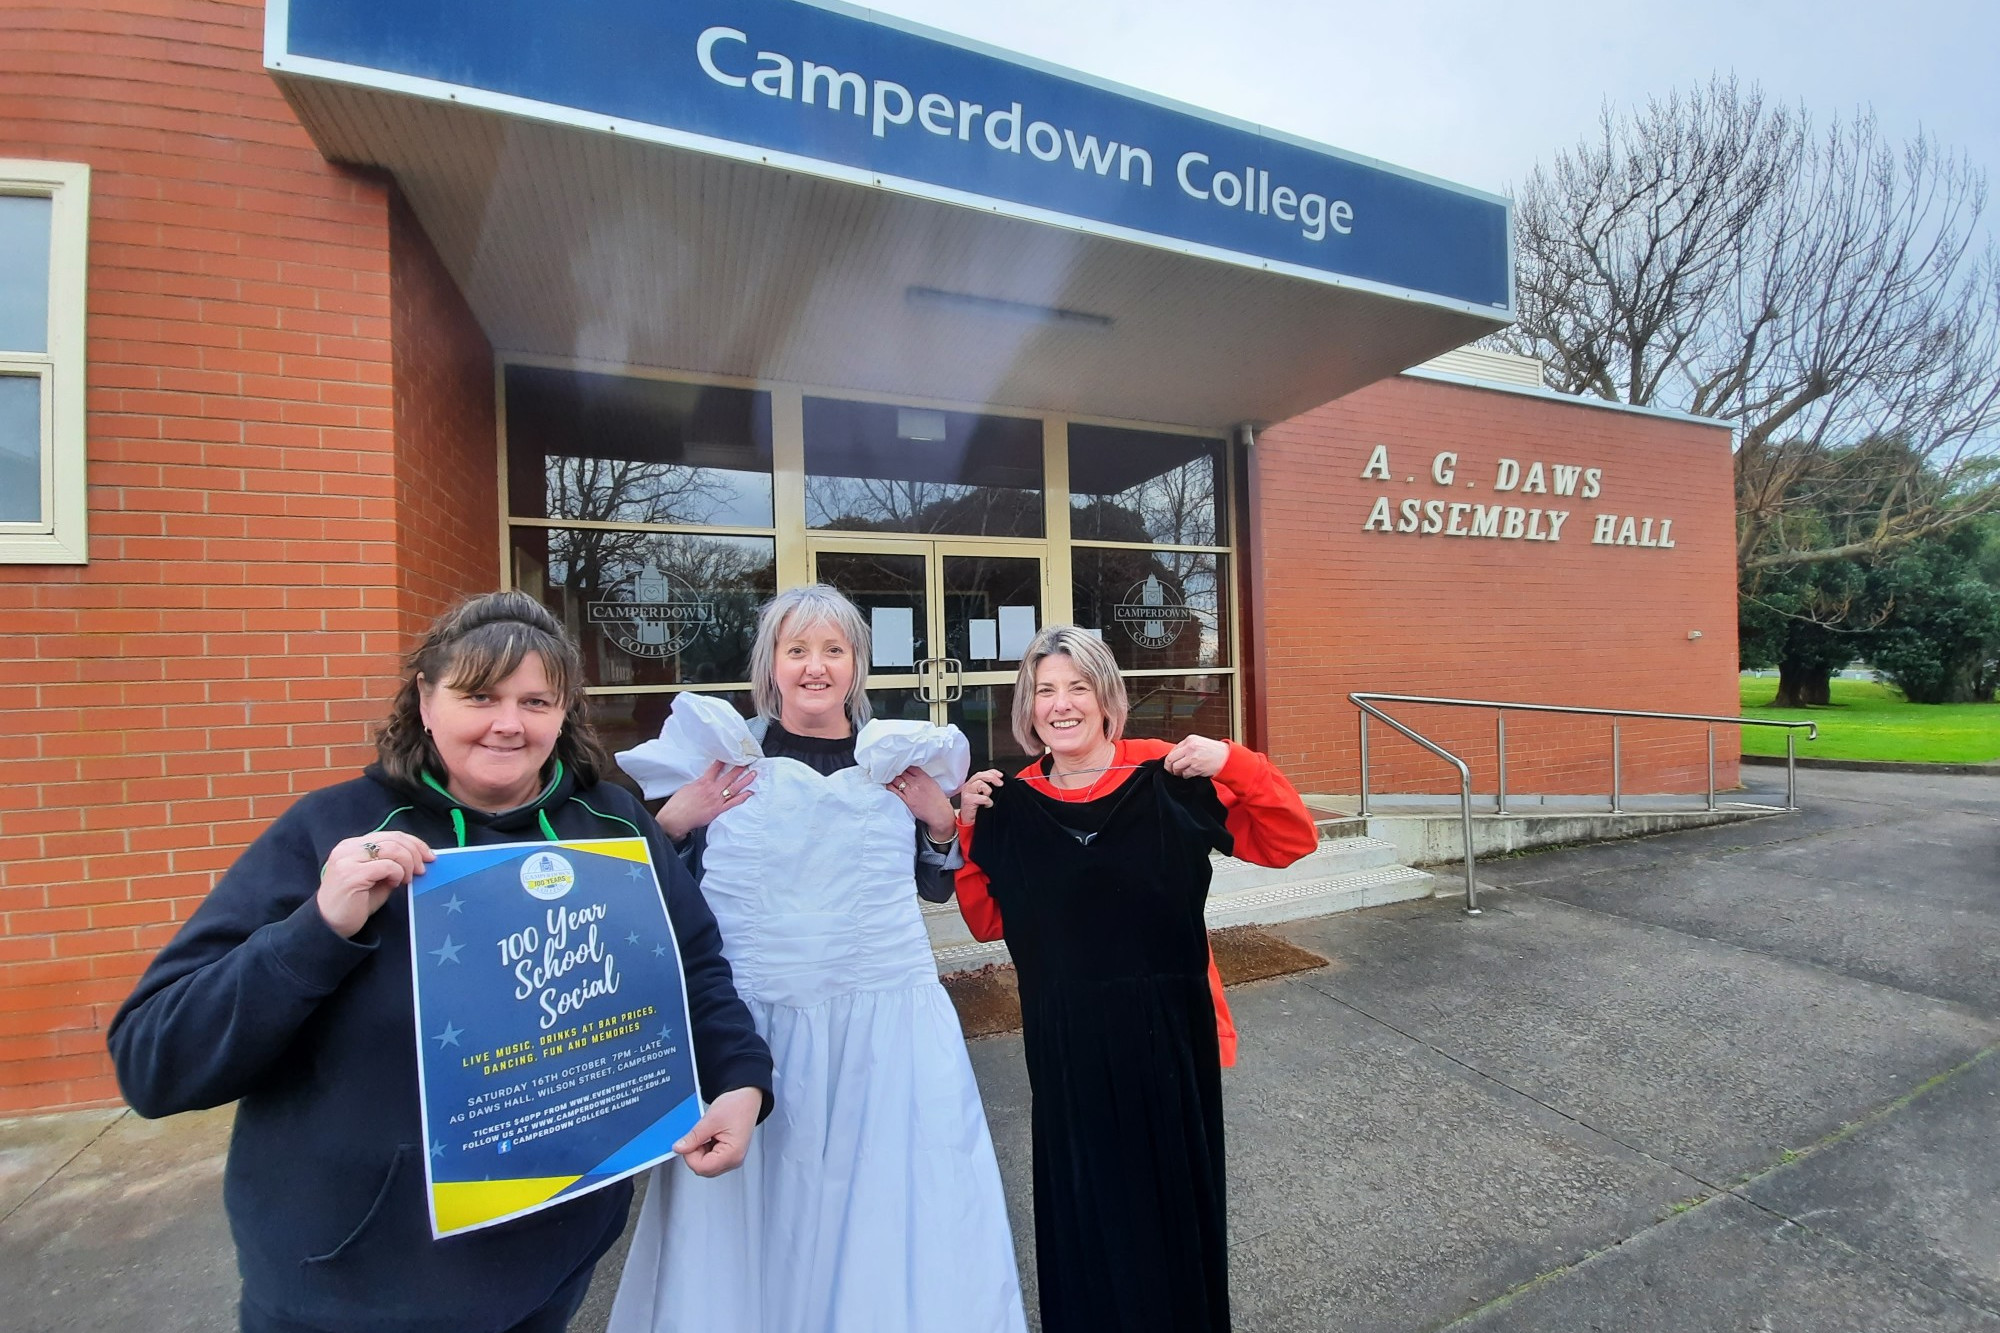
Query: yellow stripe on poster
x,y
624,849
462,1204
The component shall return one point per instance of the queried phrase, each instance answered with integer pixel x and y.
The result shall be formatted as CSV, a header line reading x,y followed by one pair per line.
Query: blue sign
x,y
845,94
552,1027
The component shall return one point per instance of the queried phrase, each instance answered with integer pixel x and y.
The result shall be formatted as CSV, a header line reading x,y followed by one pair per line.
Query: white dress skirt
x,y
869,1201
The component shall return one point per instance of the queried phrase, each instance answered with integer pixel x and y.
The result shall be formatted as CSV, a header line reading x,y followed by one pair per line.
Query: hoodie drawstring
x,y
541,816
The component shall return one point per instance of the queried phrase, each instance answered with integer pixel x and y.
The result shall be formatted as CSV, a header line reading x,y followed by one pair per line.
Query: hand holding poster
x,y
553,1046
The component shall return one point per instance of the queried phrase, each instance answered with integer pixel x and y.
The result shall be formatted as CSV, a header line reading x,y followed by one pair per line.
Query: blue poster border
x,y
648,1147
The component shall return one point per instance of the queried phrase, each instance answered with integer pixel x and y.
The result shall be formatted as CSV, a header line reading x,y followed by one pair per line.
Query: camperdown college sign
x,y
842,93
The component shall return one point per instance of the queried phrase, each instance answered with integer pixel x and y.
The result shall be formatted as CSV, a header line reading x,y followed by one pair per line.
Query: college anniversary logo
x,y
1153,612
547,876
663,616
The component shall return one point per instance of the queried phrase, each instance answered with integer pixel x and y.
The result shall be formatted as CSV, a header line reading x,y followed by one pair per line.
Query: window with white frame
x,y
44,225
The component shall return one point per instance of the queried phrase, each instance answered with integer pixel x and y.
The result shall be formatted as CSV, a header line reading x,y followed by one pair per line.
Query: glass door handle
x,y
951,674
926,680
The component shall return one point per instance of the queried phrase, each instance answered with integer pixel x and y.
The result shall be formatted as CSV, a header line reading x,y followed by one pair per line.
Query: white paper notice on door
x,y
894,629
985,640
1017,631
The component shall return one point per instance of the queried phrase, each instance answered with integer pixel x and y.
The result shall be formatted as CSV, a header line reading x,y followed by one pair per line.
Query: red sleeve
x,y
1266,816
1225,1022
975,904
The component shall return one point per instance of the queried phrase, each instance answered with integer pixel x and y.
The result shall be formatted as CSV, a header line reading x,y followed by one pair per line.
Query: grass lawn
x,y
1870,721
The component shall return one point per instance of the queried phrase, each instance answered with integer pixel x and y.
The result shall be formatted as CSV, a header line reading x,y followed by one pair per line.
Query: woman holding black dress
x,y
1094,867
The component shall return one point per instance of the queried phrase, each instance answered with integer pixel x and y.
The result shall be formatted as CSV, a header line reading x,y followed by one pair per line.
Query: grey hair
x,y
801,609
1093,662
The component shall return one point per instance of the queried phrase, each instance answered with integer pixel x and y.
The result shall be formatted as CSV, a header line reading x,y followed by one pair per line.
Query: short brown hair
x,y
1094,663
473,646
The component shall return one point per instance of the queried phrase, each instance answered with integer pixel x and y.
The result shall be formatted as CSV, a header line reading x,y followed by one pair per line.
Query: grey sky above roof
x,y
1477,93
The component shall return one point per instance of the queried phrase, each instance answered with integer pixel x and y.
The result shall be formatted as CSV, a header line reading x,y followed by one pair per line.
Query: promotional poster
x,y
552,1027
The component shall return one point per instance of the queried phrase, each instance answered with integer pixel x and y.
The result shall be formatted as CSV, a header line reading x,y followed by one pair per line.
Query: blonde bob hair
x,y
1093,661
792,612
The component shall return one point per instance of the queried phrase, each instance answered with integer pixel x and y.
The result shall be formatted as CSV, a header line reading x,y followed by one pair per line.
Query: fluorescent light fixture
x,y
1015,310
919,423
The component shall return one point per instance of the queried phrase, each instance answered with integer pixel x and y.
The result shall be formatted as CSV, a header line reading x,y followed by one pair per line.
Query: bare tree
x,y
1716,254
1179,503
620,490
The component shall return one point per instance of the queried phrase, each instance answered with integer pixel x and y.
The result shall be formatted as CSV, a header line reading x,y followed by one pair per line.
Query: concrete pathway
x,y
1743,1078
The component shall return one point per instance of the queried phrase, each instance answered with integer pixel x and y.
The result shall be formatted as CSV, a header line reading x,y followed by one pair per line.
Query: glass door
x,y
990,606
950,619
890,581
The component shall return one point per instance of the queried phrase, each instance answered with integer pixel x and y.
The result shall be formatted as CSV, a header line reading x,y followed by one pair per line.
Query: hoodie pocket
x,y
398,1166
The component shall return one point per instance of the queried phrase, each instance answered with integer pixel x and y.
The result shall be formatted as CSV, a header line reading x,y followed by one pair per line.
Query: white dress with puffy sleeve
x,y
870,1201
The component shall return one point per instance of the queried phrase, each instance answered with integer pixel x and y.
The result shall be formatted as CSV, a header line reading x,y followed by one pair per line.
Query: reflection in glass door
x,y
890,583
950,620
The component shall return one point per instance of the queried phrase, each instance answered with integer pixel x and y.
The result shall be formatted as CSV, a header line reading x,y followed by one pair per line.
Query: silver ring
x,y
372,849
902,785
726,793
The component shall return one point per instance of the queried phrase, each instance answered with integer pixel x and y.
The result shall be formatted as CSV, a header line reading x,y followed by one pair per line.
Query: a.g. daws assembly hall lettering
x,y
1544,522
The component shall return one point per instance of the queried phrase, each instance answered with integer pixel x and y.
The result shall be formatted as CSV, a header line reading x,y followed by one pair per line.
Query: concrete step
x,y
947,928
1333,857
1291,901
1426,839
970,955
1332,825
1342,874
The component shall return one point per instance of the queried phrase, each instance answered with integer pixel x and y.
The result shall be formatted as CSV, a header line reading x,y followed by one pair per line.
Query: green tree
x,y
1810,618
1939,636
1808,621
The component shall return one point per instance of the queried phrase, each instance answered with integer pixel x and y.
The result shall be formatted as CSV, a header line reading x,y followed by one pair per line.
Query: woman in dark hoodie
x,y
289,991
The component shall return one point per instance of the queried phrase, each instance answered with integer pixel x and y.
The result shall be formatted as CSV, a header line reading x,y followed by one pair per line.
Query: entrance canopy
x,y
809,193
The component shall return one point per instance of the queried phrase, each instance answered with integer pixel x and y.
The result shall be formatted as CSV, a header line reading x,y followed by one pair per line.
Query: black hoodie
x,y
258,1000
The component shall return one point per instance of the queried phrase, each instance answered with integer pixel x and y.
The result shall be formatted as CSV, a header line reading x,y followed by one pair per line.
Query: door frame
x,y
936,685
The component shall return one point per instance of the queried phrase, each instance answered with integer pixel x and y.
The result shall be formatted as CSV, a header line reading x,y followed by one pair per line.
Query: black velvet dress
x,y
1102,901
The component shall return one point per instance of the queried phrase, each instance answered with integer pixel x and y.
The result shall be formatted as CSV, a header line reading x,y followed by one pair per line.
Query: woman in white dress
x,y
869,1201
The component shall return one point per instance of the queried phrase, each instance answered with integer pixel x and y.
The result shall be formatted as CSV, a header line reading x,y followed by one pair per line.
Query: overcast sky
x,y
1478,93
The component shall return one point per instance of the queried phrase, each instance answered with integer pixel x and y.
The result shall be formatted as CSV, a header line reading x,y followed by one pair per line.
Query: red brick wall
x,y
228,645
447,470
1565,622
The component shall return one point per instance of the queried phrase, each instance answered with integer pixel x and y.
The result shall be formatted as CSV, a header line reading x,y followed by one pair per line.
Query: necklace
x,y
1091,790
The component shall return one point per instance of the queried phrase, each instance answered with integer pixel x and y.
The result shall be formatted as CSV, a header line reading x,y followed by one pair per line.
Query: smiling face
x,y
814,667
1069,719
495,741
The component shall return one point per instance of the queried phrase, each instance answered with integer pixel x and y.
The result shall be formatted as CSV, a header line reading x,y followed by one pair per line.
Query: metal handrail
x,y
1464,784
1366,703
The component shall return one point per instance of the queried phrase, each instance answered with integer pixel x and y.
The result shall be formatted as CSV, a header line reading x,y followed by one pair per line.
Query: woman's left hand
x,y
1197,757
927,801
720,1138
